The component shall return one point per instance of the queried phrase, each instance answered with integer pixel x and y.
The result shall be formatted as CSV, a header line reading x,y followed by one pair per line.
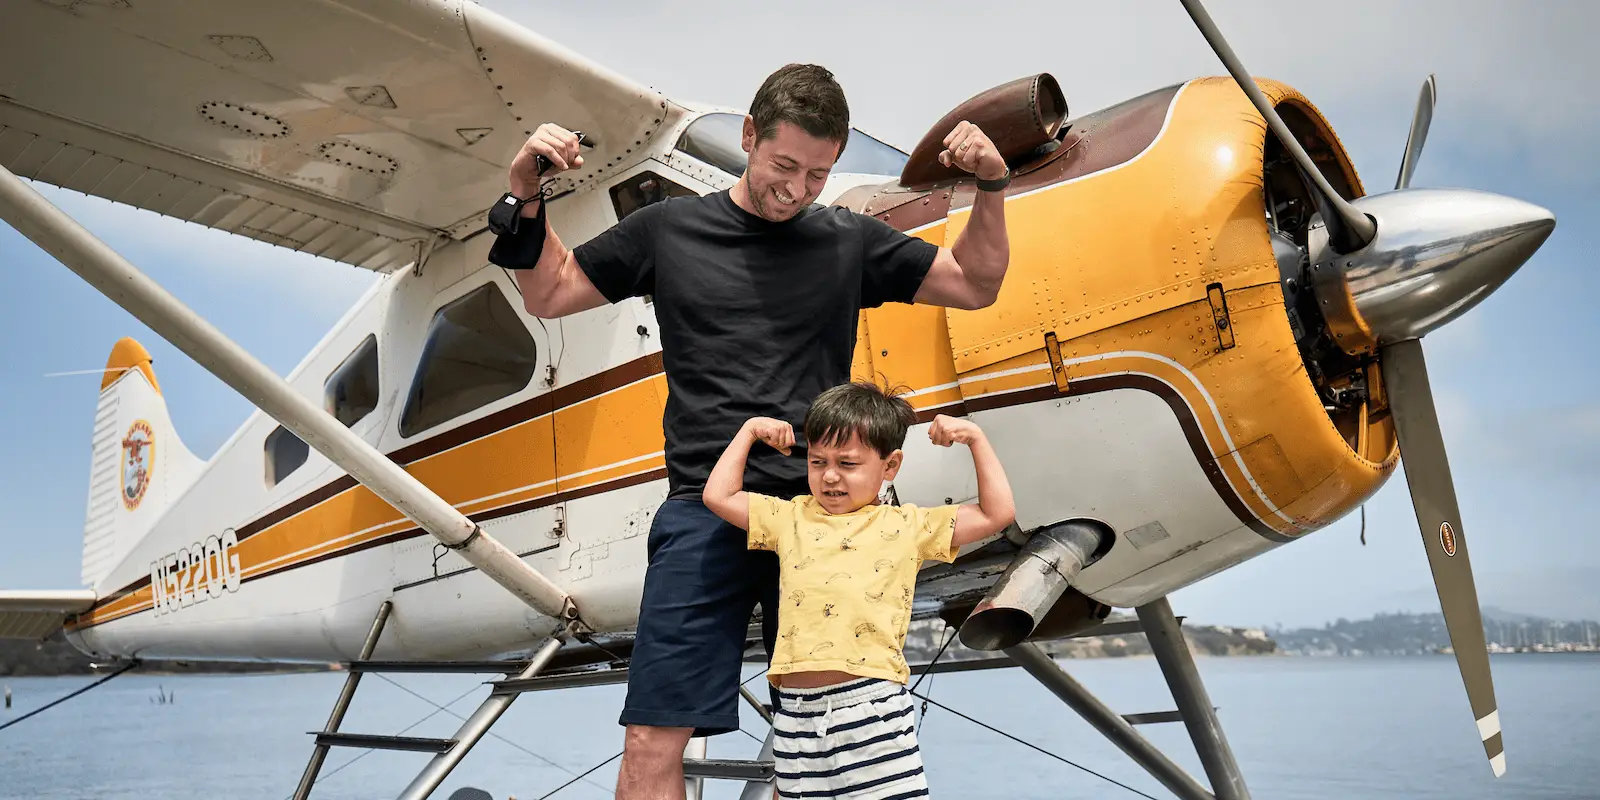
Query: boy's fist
x,y
775,432
946,431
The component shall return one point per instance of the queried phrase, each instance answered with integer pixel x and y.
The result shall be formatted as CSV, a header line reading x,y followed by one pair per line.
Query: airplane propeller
x,y
1389,269
1426,99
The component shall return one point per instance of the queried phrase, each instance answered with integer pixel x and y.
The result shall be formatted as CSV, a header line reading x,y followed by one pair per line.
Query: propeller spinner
x,y
1388,269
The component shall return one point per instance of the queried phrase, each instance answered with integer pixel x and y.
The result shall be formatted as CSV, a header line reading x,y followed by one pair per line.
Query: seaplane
x,y
1208,346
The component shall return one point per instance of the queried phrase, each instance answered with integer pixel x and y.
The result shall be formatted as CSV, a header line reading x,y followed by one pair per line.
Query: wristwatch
x,y
997,184
506,214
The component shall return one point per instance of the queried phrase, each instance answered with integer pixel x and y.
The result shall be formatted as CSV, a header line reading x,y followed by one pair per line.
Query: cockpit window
x,y
714,139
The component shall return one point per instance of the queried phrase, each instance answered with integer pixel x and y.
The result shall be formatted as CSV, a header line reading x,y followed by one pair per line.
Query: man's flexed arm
x,y
547,273
968,274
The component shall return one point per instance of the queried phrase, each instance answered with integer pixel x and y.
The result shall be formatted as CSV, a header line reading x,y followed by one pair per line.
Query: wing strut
x,y
70,243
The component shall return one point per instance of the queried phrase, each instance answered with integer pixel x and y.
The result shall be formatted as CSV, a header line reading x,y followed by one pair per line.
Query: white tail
x,y
139,465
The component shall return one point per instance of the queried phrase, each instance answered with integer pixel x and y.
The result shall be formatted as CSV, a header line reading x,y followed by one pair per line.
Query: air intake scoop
x,y
1019,117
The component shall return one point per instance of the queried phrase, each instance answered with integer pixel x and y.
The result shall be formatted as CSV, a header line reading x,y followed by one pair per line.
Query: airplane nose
x,y
1437,253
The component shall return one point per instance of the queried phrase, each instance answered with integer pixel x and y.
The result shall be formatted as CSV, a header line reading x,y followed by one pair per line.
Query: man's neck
x,y
740,195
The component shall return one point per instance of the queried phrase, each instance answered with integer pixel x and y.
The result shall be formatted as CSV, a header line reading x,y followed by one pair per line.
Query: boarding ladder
x,y
584,666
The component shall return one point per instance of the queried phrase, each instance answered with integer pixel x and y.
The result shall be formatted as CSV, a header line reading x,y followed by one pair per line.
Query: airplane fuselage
x,y
1140,368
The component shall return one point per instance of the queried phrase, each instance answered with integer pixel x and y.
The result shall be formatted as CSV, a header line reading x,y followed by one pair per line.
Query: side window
x,y
642,190
477,352
285,453
351,392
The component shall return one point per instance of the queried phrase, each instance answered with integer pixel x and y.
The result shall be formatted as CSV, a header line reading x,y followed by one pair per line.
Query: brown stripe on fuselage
x,y
569,395
480,517
1098,141
564,397
1093,385
1079,387
1109,137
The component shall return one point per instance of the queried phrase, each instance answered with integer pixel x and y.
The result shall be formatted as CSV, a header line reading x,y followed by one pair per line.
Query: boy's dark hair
x,y
806,95
861,409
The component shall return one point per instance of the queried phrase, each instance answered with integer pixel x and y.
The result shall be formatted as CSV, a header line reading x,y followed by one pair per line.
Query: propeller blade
x,y
1433,497
1348,229
1419,132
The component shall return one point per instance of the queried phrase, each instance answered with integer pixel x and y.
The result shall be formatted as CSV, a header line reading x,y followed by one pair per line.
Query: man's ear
x,y
893,464
748,138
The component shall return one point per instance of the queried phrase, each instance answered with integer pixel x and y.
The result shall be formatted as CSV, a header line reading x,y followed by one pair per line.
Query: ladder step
x,y
437,667
372,742
559,680
1153,717
732,769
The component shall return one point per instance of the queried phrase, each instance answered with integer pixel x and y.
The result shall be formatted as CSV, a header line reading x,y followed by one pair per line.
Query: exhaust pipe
x,y
1036,579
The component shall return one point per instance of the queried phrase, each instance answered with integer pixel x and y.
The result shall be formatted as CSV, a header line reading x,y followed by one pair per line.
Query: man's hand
x,y
969,149
946,431
777,434
555,143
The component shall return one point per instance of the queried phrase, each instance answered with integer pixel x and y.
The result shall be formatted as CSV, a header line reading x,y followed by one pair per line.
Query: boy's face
x,y
845,477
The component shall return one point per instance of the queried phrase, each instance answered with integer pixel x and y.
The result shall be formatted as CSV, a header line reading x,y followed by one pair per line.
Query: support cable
x,y
1032,746
69,696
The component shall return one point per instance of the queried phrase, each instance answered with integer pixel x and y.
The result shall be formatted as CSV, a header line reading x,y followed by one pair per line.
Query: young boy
x,y
849,568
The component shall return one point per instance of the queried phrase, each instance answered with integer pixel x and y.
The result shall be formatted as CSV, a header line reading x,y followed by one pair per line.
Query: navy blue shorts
x,y
700,588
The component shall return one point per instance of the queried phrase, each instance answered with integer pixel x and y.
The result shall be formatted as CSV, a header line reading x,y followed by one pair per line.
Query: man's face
x,y
787,171
845,477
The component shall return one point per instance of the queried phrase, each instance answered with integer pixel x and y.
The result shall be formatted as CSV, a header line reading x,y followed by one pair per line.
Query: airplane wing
x,y
38,615
365,131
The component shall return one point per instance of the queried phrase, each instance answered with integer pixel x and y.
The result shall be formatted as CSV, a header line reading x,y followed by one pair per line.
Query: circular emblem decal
x,y
1447,538
138,461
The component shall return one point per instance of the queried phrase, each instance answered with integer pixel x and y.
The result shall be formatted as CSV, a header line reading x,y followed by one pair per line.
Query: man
x,y
757,294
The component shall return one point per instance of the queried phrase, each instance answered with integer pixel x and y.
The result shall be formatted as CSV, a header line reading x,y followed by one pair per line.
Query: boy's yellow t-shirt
x,y
847,580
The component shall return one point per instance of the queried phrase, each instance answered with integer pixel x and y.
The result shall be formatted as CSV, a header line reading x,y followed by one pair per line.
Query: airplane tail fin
x,y
139,466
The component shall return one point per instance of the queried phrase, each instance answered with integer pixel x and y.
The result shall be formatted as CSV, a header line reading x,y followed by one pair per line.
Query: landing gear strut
x,y
1194,709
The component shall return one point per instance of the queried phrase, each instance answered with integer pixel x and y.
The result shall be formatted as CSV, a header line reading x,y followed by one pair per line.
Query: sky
x,y
1514,379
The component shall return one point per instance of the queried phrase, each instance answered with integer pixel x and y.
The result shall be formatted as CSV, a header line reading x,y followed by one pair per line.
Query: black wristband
x,y
997,184
520,247
506,214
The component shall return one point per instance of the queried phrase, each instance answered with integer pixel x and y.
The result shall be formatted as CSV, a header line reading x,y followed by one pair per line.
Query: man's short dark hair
x,y
807,96
880,418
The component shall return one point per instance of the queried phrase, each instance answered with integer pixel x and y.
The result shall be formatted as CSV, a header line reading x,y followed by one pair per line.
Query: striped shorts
x,y
855,740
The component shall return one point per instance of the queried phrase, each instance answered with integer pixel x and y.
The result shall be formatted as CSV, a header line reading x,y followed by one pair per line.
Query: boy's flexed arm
x,y
724,493
995,509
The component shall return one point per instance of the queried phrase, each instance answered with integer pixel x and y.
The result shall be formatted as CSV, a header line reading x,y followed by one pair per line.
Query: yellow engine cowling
x,y
1140,255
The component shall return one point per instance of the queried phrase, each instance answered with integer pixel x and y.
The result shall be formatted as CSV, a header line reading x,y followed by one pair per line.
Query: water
x,y
1302,728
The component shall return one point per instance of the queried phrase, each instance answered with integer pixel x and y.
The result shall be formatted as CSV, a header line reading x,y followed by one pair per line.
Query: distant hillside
x,y
925,636
1414,634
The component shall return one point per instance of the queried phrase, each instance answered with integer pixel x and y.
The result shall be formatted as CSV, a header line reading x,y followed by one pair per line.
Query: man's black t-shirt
x,y
757,318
